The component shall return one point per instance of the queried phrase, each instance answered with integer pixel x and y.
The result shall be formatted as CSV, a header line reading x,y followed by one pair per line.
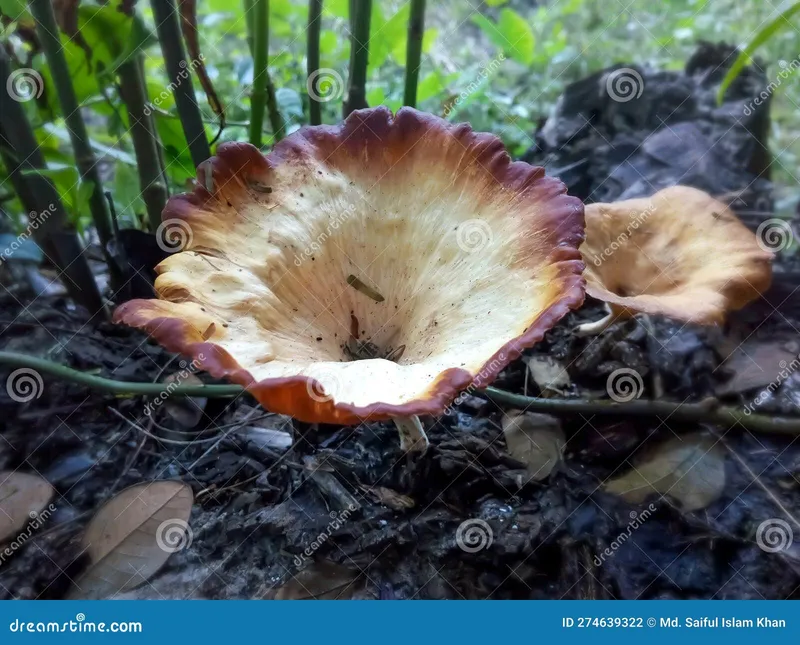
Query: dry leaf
x,y
22,497
265,438
389,497
756,365
548,374
132,535
690,469
186,411
534,439
321,581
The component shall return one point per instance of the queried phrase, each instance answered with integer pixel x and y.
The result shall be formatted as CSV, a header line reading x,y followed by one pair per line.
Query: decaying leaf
x,y
132,535
265,438
321,581
548,374
534,439
22,497
186,411
389,497
689,468
757,365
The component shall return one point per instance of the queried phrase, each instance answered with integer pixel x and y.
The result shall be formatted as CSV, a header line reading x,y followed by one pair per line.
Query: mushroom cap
x,y
415,231
680,253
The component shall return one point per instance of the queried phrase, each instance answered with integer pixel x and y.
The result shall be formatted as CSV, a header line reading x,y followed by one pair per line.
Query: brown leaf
x,y
22,497
689,468
389,497
756,365
132,535
321,581
534,439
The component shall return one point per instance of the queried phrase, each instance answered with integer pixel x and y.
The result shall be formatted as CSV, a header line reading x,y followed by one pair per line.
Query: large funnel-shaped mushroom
x,y
367,271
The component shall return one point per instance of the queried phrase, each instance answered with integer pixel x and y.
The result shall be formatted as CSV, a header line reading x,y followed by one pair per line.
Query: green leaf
x,y
516,31
781,22
84,194
495,3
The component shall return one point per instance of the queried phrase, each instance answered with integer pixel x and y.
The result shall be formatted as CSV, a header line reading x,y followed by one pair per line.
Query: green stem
x,y
180,77
359,57
145,145
312,64
48,33
708,411
416,30
258,96
117,387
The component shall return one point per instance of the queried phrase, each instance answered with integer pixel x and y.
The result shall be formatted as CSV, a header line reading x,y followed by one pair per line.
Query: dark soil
x,y
259,511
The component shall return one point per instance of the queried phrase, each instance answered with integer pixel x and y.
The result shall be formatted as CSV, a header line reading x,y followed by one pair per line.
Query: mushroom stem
x,y
596,327
412,436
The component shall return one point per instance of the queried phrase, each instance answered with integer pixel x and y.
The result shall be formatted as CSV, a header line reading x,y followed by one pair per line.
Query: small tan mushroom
x,y
369,271
680,253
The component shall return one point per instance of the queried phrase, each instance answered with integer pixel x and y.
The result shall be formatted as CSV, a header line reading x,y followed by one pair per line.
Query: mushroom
x,y
369,271
680,253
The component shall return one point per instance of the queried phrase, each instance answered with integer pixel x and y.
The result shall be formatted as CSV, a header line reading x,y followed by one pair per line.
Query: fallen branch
x,y
706,411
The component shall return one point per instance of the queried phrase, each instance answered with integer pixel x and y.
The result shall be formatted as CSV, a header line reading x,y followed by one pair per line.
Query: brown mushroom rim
x,y
680,253
445,252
